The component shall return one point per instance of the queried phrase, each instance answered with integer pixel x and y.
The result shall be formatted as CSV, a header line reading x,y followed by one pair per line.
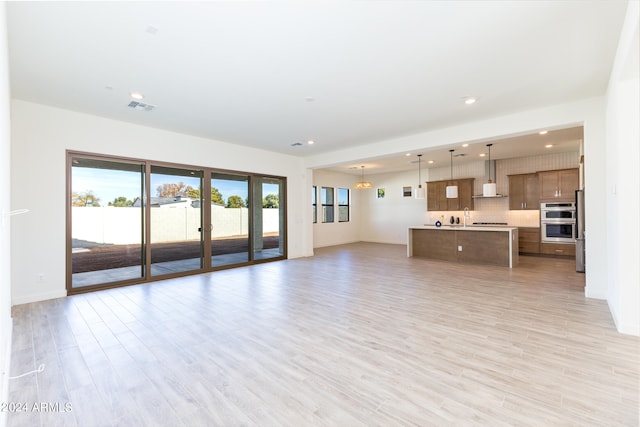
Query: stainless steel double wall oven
x,y
558,222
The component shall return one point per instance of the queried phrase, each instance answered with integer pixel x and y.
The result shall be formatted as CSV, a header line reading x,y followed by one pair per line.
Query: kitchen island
x,y
470,245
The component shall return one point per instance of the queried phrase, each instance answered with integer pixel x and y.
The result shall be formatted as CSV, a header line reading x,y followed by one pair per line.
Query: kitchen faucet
x,y
467,215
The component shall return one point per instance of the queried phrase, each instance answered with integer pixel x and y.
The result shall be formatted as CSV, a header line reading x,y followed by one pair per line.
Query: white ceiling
x,y
342,73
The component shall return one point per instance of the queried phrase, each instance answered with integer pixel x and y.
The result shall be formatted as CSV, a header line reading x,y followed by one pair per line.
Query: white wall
x,y
336,233
386,220
623,179
40,136
5,207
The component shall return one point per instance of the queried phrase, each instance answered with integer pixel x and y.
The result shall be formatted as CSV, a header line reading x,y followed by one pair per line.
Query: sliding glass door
x,y
175,220
229,219
268,218
106,220
132,221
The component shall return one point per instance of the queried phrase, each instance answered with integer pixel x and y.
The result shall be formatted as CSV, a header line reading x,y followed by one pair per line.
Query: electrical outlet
x,y
459,248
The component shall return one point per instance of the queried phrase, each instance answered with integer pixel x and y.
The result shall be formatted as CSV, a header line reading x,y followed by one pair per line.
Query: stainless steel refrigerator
x,y
580,232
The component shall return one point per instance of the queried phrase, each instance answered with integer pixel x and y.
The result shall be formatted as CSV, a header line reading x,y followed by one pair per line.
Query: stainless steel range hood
x,y
489,165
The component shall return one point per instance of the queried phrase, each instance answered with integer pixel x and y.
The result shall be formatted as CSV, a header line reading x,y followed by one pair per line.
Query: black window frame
x,y
314,203
342,205
328,206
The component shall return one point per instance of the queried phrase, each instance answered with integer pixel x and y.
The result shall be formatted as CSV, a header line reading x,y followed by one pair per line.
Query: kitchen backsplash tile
x,y
497,209
512,218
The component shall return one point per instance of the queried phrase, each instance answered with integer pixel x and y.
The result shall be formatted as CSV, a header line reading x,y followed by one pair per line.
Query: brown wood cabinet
x,y
558,185
558,249
529,243
524,192
529,240
488,246
437,195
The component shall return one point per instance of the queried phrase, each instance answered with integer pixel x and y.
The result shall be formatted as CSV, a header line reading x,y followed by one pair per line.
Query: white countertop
x,y
463,228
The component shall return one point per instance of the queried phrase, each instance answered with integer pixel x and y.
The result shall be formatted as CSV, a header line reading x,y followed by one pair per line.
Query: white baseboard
x,y
338,243
302,255
588,292
348,242
4,372
623,327
629,329
387,242
25,299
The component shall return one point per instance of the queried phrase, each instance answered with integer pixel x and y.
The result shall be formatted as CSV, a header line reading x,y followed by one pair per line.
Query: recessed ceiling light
x,y
465,145
137,95
543,132
482,154
430,162
408,154
311,142
470,100
548,146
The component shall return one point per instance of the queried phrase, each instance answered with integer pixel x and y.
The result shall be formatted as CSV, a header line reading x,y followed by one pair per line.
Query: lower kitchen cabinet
x,y
529,243
562,249
529,240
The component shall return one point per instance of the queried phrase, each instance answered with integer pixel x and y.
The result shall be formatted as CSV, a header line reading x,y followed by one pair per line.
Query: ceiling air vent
x,y
297,144
137,105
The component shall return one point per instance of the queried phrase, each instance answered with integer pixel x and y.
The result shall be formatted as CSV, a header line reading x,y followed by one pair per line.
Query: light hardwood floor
x,y
356,335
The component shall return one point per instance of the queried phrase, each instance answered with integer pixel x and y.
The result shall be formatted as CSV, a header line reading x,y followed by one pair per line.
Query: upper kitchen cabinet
x,y
558,185
465,195
524,192
437,197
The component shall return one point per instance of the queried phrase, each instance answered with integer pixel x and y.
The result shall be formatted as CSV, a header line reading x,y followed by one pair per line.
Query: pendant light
x,y
489,189
363,185
452,190
419,191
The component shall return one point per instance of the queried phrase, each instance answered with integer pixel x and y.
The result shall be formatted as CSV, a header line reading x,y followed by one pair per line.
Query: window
x,y
343,205
327,204
314,203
